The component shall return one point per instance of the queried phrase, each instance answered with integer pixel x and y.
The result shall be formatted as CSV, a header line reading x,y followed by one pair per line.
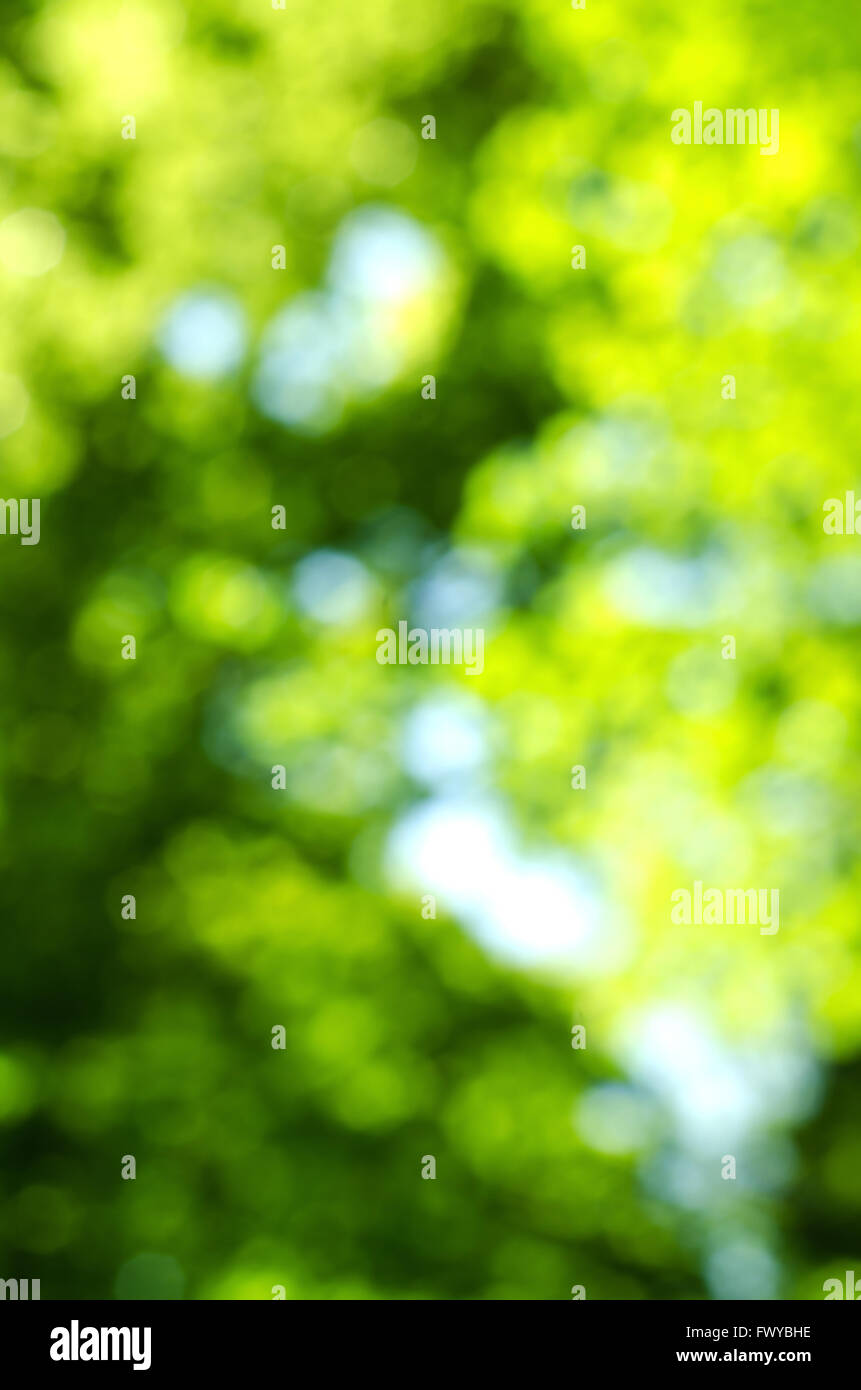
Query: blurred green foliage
x,y
300,387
